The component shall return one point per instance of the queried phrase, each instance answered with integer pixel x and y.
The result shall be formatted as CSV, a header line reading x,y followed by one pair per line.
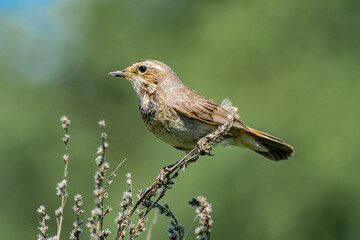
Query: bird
x,y
180,116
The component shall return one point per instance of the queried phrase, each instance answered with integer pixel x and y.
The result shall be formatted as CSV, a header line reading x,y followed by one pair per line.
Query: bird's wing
x,y
194,105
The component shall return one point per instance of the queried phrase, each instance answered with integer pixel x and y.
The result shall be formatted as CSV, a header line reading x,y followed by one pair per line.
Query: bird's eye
x,y
142,69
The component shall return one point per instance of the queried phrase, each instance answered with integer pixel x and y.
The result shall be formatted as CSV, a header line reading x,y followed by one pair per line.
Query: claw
x,y
160,177
203,147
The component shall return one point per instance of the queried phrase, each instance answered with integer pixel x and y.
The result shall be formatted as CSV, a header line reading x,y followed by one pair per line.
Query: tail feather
x,y
267,145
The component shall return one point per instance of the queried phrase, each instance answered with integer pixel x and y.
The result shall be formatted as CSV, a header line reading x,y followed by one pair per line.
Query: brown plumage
x,y
180,116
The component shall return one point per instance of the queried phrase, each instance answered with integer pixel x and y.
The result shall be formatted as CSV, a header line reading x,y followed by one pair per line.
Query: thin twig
x,y
108,181
154,221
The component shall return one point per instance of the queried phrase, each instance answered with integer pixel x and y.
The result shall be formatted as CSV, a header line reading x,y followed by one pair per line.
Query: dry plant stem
x,y
43,227
204,143
60,221
132,200
203,210
63,197
77,220
99,185
101,204
65,124
75,234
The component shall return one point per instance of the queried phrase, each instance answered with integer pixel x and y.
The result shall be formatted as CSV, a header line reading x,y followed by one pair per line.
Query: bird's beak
x,y
121,73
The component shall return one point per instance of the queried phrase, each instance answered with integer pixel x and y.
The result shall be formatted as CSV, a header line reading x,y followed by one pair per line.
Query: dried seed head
x,y
203,210
61,188
102,124
58,212
77,197
66,138
103,135
100,150
65,122
128,181
66,158
108,209
41,209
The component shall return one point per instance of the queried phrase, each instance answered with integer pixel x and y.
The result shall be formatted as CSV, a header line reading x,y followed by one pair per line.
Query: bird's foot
x,y
203,147
163,173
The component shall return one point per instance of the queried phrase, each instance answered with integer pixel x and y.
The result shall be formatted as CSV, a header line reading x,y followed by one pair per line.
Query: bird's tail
x,y
270,147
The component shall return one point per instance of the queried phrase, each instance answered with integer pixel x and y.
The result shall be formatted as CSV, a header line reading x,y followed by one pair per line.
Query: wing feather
x,y
194,105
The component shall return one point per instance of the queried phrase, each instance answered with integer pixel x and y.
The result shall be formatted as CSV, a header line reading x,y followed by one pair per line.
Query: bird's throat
x,y
148,106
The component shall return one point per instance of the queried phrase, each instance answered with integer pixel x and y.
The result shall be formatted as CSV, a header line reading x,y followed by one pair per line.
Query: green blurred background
x,y
292,68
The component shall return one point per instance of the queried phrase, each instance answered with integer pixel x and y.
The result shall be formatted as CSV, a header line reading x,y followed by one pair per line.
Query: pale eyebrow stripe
x,y
154,66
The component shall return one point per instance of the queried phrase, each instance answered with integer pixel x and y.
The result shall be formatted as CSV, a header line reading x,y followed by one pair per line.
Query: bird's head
x,y
148,75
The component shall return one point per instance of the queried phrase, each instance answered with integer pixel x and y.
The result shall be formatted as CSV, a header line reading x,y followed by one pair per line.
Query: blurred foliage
x,y
292,68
